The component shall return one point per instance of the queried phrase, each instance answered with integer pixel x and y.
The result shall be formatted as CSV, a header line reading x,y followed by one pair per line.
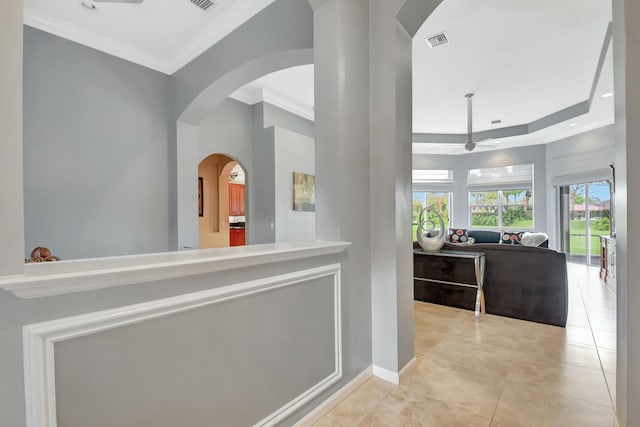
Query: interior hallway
x,y
500,372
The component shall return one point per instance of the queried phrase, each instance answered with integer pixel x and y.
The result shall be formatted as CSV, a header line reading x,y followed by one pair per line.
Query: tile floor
x,y
500,372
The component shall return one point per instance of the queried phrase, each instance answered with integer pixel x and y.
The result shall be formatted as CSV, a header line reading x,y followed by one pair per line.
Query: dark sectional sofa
x,y
522,282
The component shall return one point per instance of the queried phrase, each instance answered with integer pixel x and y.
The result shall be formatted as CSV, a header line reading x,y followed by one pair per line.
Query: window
x,y
438,201
432,188
501,198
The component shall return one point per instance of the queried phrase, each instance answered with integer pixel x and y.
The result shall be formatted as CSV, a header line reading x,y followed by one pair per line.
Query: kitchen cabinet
x,y
236,200
236,237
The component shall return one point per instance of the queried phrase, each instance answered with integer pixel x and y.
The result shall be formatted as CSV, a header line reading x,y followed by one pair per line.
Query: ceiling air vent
x,y
437,40
203,4
496,122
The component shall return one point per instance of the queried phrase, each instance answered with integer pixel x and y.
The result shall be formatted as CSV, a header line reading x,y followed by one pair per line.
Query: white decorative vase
x,y
431,237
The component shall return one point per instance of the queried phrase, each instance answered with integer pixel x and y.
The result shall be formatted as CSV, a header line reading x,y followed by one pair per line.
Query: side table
x,y
449,276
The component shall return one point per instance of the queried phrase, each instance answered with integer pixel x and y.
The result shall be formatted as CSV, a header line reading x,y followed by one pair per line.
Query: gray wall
x,y
97,151
11,214
248,334
513,156
246,133
262,179
276,116
293,153
255,48
141,368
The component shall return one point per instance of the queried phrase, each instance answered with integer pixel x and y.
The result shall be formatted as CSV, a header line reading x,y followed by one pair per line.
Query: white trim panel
x,y
55,278
39,338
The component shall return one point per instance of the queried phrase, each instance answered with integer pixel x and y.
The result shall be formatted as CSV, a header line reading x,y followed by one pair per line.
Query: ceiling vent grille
x,y
203,4
437,40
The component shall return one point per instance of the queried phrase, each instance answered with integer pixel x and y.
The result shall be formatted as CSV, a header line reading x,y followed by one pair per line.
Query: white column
x,y
390,177
363,168
12,249
626,18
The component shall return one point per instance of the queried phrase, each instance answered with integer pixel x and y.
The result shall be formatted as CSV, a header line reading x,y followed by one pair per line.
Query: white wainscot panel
x,y
40,338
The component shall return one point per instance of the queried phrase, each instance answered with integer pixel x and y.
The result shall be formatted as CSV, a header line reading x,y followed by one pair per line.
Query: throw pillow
x,y
533,239
458,235
510,238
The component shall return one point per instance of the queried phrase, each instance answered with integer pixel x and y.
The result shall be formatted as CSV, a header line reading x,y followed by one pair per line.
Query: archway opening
x,y
221,202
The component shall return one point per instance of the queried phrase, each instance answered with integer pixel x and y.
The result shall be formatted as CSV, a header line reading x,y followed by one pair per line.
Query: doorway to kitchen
x,y
221,202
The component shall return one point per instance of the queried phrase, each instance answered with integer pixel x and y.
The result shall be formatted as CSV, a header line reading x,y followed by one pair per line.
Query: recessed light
x,y
88,5
572,124
607,95
429,146
496,142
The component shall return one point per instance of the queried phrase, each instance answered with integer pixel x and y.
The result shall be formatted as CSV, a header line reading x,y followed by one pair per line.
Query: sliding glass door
x,y
585,216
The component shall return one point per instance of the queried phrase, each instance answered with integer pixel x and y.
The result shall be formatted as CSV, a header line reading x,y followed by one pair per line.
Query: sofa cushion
x,y
484,236
458,235
510,238
533,239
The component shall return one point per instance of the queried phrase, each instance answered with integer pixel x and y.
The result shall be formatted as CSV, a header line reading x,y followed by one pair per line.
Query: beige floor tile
x,y
327,422
576,354
603,324
568,380
605,339
404,408
578,335
560,350
601,312
461,387
578,318
355,408
491,330
608,359
521,407
423,345
482,358
611,383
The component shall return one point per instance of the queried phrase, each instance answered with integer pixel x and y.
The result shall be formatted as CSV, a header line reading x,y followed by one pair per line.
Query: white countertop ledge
x,y
62,277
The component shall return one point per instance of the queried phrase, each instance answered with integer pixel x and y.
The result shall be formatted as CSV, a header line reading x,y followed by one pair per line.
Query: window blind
x,y
501,178
432,180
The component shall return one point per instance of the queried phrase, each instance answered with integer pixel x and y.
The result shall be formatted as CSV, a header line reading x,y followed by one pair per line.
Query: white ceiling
x,y
523,59
163,35
291,89
538,55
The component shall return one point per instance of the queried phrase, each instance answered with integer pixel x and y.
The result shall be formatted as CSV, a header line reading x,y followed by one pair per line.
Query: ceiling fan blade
x,y
118,1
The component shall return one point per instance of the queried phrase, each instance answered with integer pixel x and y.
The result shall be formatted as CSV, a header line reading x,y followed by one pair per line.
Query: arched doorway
x,y
221,202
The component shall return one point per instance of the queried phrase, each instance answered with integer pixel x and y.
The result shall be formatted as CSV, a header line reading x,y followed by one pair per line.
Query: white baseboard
x,y
335,399
386,375
390,376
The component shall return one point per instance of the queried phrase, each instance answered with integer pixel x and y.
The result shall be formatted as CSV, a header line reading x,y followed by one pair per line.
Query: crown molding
x,y
247,94
94,40
252,95
214,32
233,17
288,105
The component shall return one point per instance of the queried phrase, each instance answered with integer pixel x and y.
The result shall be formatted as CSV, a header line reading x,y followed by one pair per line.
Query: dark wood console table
x,y
449,270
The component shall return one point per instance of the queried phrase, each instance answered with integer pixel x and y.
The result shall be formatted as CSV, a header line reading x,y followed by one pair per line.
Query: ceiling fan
x,y
470,144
